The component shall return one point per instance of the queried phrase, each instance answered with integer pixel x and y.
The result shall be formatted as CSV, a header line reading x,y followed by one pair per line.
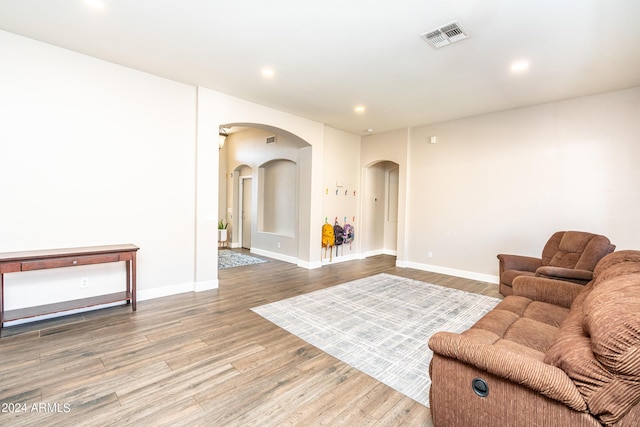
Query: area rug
x,y
380,325
230,259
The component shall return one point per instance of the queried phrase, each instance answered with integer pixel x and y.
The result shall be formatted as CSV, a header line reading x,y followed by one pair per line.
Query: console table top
x,y
53,253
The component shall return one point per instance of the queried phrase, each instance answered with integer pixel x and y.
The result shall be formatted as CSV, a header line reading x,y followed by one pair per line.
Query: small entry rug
x,y
230,259
380,325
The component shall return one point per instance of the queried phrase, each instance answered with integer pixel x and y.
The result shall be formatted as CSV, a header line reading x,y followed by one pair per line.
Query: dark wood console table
x,y
11,262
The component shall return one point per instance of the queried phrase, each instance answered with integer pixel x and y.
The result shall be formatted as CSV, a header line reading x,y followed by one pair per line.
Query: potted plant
x,y
222,231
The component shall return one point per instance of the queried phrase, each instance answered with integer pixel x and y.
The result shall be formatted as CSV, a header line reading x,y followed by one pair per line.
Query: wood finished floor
x,y
201,359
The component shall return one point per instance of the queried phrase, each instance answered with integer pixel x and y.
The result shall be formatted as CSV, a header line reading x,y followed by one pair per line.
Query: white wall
x,y
94,153
341,167
504,182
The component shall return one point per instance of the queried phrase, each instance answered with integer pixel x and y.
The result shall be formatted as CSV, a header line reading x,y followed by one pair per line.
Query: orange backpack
x,y
328,238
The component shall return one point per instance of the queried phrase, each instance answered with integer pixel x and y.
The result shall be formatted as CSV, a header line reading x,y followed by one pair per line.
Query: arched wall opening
x,y
263,201
215,109
380,208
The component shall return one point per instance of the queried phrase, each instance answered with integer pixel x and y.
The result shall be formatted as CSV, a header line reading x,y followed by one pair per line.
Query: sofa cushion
x,y
525,307
531,333
525,322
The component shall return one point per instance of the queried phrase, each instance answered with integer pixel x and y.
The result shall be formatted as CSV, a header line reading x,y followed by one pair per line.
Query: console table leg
x,y
133,281
1,302
128,268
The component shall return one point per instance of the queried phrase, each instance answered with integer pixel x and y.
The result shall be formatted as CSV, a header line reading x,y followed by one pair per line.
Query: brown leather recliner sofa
x,y
567,255
552,354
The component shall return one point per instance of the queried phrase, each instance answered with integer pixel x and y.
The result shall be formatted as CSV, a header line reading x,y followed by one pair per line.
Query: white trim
x,y
309,265
165,291
207,285
376,252
451,272
275,255
341,258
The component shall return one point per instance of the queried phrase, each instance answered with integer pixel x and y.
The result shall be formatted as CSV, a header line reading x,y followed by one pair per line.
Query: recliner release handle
x,y
480,387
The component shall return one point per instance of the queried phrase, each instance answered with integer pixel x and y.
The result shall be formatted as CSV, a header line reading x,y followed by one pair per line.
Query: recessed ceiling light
x,y
98,4
359,109
268,72
519,66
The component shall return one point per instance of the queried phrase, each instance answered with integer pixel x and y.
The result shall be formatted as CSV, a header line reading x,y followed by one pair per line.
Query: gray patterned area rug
x,y
380,325
230,259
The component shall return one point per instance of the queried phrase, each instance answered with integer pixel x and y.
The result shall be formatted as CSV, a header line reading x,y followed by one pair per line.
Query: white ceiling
x,y
331,55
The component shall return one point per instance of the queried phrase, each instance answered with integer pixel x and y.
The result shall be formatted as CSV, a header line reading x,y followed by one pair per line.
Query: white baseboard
x,y
488,278
165,291
207,285
309,265
275,255
341,258
381,252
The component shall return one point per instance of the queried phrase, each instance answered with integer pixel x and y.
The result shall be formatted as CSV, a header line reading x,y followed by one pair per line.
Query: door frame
x,y
241,180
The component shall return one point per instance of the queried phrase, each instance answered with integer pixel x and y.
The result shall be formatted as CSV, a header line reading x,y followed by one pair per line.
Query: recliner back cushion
x,y
576,249
597,248
551,247
570,249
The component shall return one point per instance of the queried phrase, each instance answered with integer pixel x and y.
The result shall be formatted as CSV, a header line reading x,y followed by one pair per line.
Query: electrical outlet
x,y
278,245
429,254
84,282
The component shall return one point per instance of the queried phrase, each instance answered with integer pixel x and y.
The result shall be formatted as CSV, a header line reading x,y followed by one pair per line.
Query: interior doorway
x,y
265,170
245,211
380,208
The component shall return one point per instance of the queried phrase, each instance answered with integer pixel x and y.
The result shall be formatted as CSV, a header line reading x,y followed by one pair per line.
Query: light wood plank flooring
x,y
201,359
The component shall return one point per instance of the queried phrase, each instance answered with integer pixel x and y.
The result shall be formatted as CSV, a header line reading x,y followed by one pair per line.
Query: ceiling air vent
x,y
271,139
445,35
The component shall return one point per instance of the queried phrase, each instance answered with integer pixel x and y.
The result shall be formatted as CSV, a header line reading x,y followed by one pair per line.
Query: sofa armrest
x,y
519,262
534,374
561,273
556,292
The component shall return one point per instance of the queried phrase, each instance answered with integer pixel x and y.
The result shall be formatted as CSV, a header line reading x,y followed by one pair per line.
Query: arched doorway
x,y
263,199
380,208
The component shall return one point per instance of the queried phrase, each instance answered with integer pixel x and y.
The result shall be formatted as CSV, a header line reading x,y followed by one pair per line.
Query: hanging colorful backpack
x,y
338,232
349,234
328,238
